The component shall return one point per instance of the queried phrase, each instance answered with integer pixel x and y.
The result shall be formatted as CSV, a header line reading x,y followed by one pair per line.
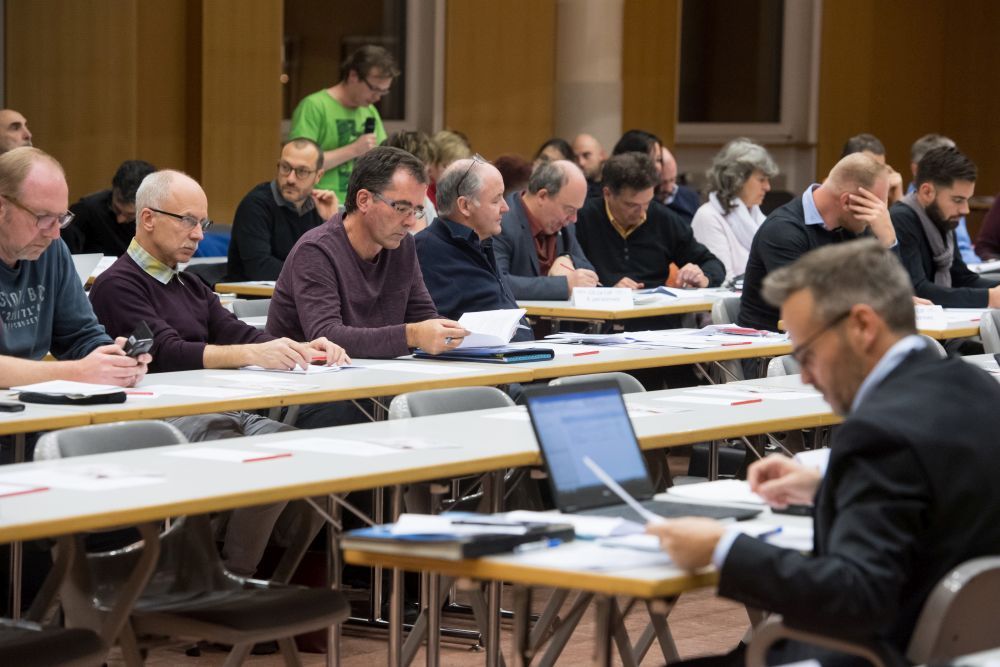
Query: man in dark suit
x,y
536,251
907,493
680,199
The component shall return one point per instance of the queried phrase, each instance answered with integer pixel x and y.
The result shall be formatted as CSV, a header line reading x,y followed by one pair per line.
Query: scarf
x,y
942,247
743,221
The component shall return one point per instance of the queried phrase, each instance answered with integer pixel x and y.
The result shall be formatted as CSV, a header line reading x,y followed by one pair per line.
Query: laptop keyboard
x,y
672,510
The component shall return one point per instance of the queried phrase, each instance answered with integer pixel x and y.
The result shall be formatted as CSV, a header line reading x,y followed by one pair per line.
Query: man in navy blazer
x,y
537,252
456,250
681,199
908,492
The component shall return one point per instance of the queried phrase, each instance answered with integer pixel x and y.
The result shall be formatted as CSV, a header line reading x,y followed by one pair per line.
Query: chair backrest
x,y
935,345
627,383
960,614
105,438
250,307
444,401
989,331
725,310
783,365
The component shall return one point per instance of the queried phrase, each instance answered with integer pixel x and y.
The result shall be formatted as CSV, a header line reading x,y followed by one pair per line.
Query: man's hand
x,y
363,144
629,283
333,352
691,275
895,186
326,203
435,336
689,541
581,278
917,301
563,266
109,364
782,482
281,353
867,207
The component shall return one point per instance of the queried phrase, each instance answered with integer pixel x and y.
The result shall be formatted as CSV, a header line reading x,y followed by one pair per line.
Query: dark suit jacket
x,y
968,290
910,492
461,273
518,261
685,203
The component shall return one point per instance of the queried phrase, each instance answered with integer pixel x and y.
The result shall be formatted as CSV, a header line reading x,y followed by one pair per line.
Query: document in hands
x,y
490,328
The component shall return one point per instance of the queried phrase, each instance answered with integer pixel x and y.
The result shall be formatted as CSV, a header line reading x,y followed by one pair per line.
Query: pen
x,y
268,457
744,342
523,326
139,393
749,400
535,546
584,354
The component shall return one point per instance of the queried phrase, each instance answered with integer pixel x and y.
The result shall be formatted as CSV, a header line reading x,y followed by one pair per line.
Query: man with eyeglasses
x,y
357,281
274,215
43,307
537,252
105,220
343,119
908,490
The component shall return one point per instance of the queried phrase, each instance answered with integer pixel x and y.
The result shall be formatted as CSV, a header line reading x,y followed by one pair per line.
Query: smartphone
x,y
11,406
141,340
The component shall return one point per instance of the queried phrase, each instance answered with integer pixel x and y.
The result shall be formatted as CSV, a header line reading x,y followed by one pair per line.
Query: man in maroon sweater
x,y
192,330
358,281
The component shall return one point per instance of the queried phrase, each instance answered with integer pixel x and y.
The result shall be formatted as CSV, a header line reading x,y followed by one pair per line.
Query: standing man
x,y
274,215
850,200
357,281
456,250
537,251
343,119
925,221
907,493
14,131
105,220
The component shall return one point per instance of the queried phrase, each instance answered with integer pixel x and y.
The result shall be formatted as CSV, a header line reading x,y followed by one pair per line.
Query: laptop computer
x,y
590,419
85,265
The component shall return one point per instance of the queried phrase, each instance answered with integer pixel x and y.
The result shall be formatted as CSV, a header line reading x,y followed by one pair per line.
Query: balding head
x,y
172,214
589,155
556,191
14,131
854,171
668,172
33,202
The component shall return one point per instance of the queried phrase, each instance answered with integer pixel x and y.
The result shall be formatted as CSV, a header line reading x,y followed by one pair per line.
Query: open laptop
x,y
590,419
85,265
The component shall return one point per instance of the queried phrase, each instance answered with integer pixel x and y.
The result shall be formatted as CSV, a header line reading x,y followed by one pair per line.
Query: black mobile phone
x,y
141,340
11,406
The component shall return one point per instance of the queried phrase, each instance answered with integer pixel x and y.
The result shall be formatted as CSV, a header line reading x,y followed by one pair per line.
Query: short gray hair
x,y
926,144
548,176
448,187
844,274
733,166
154,189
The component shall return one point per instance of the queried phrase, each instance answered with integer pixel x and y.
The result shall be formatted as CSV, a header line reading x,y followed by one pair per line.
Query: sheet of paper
x,y
230,455
700,400
199,392
593,557
69,388
814,458
426,368
444,524
611,298
311,369
720,491
338,447
490,328
583,525
640,541
103,265
7,489
740,393
84,477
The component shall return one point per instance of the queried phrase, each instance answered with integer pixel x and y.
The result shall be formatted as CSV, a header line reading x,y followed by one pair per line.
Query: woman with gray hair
x,y
739,178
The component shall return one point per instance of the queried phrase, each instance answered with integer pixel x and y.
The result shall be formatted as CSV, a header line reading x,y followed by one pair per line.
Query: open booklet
x,y
490,328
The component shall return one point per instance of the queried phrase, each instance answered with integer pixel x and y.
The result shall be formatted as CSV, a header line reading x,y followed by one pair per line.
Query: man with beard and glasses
x,y
925,222
273,215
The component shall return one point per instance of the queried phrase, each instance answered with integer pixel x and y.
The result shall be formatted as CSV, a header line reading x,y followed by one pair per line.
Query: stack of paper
x,y
490,328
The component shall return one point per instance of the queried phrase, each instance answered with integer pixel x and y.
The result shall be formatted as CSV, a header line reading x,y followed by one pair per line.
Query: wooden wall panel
x,y
650,59
500,73
70,68
241,99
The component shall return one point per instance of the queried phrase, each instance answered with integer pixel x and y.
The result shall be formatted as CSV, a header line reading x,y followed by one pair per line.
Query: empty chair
x,y
250,307
783,365
190,594
626,383
445,401
936,344
24,643
958,618
725,311
989,331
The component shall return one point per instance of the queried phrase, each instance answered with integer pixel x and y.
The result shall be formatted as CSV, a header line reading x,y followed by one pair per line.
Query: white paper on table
x,y
560,350
69,388
443,524
425,368
490,328
612,298
8,490
221,454
520,413
103,265
85,477
589,556
338,446
639,541
583,525
930,316
594,339
748,392
698,400
814,458
311,369
719,491
964,314
199,392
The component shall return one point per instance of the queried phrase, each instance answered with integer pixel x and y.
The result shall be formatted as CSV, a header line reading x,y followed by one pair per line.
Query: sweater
x,y
265,228
184,314
95,228
646,254
326,289
43,308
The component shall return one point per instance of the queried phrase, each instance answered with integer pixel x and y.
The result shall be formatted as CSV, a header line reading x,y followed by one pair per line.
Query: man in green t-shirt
x,y
336,117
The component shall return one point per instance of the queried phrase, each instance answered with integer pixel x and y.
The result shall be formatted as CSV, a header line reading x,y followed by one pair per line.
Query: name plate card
x,y
607,298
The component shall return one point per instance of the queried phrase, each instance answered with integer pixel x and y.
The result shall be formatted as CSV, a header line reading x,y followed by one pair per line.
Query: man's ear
x,y
927,191
865,325
145,219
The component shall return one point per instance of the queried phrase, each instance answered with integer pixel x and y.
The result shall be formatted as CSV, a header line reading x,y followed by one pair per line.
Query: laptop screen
x,y
573,421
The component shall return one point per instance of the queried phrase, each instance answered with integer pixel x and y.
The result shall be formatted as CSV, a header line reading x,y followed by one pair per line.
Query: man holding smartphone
x,y
43,307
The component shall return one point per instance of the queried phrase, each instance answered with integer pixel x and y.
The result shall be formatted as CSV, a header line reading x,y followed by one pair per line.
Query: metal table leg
x,y
433,620
522,620
396,597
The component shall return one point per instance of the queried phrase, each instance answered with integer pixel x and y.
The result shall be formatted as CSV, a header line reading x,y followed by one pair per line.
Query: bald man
x,y
850,203
14,131
681,199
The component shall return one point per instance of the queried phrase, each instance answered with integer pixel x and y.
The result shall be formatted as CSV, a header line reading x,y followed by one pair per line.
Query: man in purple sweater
x,y
192,330
358,281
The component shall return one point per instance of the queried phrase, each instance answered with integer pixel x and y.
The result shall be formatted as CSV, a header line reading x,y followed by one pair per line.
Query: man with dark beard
x,y
925,222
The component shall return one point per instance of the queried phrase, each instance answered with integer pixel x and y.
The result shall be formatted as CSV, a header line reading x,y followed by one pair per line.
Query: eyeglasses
x,y
45,221
300,172
476,159
376,89
402,207
189,220
799,352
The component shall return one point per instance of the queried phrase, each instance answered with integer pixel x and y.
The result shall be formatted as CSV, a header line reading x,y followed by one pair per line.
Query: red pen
x,y
749,400
139,393
277,456
742,342
584,354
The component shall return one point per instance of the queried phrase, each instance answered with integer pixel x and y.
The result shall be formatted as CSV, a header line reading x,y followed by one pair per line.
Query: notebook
x,y
589,419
